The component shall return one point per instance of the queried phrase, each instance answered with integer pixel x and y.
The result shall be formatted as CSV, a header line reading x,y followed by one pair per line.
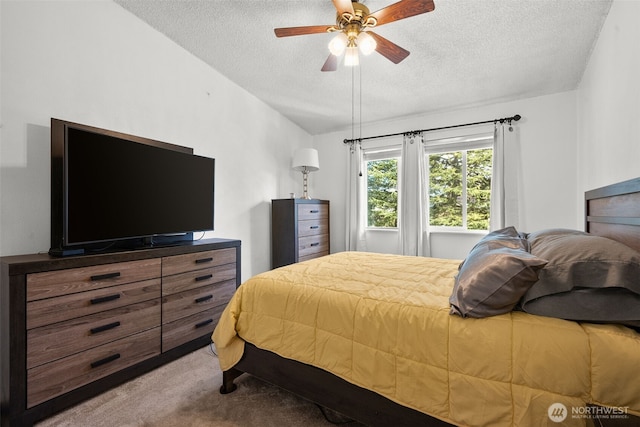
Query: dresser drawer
x,y
197,278
312,245
62,282
190,327
58,309
186,303
313,227
308,211
52,342
196,261
53,379
312,256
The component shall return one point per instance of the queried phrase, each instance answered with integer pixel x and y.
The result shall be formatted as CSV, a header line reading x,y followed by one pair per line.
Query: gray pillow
x,y
508,237
588,278
493,278
542,235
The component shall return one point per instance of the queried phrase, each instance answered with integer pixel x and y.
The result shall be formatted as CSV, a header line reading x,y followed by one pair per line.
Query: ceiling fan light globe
x,y
351,57
338,44
366,43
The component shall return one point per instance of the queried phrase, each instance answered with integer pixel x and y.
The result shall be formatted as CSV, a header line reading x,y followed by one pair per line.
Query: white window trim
x,y
464,144
373,154
381,153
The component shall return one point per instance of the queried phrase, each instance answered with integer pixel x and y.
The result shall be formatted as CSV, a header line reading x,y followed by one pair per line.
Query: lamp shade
x,y
305,159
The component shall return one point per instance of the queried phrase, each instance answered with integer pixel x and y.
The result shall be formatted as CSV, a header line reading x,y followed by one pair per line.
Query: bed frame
x,y
612,211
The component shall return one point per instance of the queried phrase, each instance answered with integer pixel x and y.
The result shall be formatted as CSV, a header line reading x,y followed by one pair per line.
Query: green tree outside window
x,y
382,193
459,176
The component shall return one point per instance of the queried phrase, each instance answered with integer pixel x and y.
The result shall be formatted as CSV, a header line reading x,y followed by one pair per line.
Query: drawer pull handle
x,y
314,244
105,360
314,211
105,299
205,277
204,323
203,299
105,327
313,227
203,260
105,276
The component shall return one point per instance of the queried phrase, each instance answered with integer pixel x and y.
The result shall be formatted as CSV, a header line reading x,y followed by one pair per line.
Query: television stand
x,y
74,327
58,252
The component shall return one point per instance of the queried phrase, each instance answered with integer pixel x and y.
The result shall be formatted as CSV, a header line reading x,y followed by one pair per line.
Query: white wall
x,y
97,64
547,145
609,102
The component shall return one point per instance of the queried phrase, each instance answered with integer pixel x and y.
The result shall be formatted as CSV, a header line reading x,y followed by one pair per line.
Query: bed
x,y
394,340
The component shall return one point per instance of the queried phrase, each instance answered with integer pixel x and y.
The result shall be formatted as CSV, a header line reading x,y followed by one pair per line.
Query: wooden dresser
x,y
299,230
74,327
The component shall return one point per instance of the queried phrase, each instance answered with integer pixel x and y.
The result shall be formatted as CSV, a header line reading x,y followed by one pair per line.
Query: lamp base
x,y
305,193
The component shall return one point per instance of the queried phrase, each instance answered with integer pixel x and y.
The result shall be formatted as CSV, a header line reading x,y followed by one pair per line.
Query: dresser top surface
x,y
299,201
31,263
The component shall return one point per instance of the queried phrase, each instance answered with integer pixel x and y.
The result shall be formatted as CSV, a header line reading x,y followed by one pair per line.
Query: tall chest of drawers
x,y
299,230
74,327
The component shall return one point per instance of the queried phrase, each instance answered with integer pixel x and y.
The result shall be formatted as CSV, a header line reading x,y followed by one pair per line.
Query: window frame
x,y
450,145
374,154
442,144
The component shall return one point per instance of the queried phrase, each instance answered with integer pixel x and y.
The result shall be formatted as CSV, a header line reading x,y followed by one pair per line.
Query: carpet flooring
x,y
184,393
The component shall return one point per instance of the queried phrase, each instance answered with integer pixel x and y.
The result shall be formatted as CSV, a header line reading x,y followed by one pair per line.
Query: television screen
x,y
117,187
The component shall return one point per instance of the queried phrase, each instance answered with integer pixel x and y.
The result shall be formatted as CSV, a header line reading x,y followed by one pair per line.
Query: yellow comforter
x,y
382,322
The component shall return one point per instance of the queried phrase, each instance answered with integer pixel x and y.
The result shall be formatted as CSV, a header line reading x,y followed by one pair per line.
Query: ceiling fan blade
x,y
299,31
331,64
401,10
388,49
343,6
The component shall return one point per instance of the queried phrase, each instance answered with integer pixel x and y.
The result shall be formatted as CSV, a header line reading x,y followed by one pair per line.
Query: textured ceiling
x,y
464,53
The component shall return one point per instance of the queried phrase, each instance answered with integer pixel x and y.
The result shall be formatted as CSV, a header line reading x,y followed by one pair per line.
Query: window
x,y
381,168
458,186
459,182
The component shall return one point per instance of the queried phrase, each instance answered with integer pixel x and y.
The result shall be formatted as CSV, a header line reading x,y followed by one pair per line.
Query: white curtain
x,y
414,211
355,237
505,178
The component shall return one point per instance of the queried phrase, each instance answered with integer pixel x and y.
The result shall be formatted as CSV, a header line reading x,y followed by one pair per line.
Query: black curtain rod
x,y
503,120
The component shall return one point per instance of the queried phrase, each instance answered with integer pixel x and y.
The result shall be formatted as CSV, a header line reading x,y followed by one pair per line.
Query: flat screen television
x,y
113,190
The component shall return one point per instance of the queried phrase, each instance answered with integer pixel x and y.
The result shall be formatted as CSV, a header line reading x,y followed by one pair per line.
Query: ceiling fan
x,y
354,23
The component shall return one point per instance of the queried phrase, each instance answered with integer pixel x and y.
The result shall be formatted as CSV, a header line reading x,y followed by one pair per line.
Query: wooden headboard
x,y
614,212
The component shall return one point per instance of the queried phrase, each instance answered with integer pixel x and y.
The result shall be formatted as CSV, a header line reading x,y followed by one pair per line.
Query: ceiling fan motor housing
x,y
358,21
